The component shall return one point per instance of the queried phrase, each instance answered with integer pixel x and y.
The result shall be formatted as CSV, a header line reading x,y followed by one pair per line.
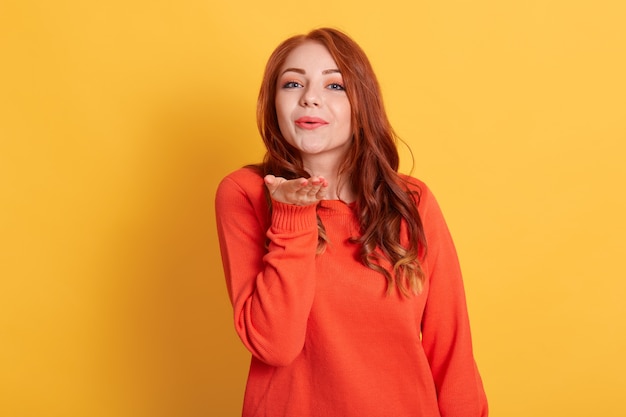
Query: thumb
x,y
272,183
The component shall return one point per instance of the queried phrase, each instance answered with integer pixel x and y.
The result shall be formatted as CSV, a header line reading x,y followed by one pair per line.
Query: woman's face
x,y
312,106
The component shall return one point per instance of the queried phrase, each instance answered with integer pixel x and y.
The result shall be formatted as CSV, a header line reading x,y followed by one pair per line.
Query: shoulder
x,y
427,204
417,187
413,183
244,183
243,178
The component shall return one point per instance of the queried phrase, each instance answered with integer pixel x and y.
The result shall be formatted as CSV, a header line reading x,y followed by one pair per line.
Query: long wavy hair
x,y
385,206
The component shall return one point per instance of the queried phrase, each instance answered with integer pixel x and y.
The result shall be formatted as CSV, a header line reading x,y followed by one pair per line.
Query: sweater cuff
x,y
292,218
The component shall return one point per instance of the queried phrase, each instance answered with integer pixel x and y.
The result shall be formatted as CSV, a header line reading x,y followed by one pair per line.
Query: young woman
x,y
343,277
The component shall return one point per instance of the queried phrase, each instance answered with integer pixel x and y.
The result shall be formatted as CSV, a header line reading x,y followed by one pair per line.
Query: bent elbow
x,y
275,353
276,344
281,360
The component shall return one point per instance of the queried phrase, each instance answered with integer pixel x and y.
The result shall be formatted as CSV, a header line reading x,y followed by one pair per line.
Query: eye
x,y
336,86
292,84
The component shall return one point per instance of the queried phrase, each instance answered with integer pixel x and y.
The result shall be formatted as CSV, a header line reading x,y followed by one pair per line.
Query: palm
x,y
300,192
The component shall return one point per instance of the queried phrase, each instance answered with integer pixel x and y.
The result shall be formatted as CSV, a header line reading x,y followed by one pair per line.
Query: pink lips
x,y
310,123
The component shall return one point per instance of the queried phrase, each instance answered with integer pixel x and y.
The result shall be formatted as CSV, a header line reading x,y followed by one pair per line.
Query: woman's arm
x,y
446,333
271,289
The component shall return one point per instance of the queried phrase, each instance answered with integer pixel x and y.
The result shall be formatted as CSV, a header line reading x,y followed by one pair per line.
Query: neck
x,y
340,186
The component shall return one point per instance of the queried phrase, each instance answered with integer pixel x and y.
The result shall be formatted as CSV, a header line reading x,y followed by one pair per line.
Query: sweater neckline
x,y
338,205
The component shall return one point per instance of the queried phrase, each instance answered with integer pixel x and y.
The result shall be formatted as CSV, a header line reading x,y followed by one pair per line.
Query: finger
x,y
318,180
269,179
313,185
270,183
298,186
323,191
273,183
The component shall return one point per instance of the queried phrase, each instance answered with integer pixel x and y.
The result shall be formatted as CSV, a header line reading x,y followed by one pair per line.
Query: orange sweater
x,y
325,338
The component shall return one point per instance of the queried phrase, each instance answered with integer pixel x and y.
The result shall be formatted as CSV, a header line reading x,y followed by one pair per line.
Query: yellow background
x,y
118,118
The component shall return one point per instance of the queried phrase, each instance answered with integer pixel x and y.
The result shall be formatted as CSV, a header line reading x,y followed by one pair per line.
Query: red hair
x,y
385,206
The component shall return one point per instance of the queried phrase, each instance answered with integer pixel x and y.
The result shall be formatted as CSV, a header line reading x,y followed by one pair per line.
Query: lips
x,y
310,123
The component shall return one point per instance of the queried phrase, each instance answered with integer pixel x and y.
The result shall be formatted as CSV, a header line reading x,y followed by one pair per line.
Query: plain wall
x,y
118,119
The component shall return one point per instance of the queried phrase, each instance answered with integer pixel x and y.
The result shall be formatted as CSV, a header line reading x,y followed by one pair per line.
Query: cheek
x,y
283,108
283,117
281,114
344,114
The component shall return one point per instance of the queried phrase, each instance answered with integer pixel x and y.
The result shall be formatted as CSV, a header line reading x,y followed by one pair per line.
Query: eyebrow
x,y
301,71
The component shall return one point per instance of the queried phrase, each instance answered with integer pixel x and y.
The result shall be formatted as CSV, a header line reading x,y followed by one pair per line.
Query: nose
x,y
310,97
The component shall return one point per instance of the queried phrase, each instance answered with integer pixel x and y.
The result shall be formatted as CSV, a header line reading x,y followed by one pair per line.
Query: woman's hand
x,y
300,192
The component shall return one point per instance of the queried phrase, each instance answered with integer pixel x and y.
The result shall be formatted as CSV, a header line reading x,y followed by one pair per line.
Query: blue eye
x,y
336,86
292,84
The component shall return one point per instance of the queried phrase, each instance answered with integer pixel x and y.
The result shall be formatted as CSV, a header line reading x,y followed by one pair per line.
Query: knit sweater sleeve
x,y
445,324
271,288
